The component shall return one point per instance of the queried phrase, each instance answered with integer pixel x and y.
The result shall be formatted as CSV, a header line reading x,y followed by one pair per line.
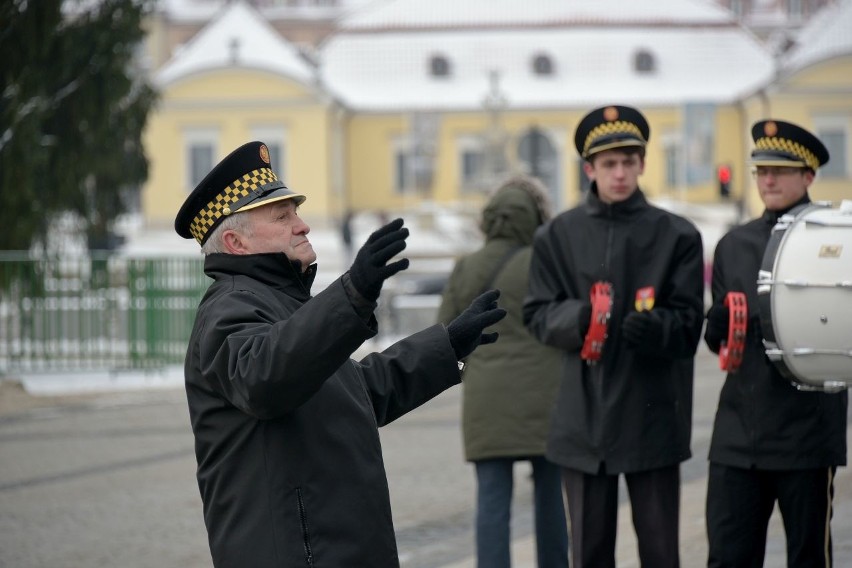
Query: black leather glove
x,y
643,329
466,330
370,268
584,319
718,320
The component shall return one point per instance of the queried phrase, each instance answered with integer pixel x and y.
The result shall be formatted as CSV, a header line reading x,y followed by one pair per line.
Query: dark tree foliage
x,y
72,111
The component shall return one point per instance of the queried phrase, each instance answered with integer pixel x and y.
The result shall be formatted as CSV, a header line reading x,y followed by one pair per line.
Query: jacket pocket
x,y
303,523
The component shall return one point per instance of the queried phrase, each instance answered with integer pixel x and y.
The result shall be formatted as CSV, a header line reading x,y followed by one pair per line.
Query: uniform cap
x,y
779,143
611,127
243,180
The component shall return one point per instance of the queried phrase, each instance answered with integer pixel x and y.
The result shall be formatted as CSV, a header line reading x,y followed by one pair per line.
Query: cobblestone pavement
x,y
108,481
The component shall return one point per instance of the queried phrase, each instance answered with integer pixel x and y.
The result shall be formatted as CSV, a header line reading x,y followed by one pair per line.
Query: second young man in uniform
x,y
630,413
771,442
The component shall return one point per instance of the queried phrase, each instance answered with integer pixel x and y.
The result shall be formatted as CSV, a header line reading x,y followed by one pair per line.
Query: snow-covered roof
x,y
393,14
237,37
378,64
826,35
195,11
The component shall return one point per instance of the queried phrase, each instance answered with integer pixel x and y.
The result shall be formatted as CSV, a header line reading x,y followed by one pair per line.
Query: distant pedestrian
x,y
509,391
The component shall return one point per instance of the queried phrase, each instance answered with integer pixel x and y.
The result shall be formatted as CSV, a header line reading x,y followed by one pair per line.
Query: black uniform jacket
x,y
289,462
763,421
631,411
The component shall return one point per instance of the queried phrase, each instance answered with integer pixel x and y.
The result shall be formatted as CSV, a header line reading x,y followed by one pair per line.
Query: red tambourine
x,y
731,352
601,297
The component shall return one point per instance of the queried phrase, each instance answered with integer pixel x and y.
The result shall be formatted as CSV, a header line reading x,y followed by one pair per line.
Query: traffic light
x,y
723,174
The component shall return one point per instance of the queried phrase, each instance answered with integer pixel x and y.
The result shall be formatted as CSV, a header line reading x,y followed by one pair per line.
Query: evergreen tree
x,y
72,111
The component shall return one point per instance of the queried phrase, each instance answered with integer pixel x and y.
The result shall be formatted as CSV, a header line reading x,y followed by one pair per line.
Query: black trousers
x,y
740,502
593,516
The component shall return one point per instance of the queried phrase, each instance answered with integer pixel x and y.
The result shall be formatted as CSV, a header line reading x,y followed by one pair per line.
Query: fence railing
x,y
99,312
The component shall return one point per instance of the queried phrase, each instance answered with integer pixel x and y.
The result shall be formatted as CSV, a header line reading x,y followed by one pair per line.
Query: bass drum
x,y
804,292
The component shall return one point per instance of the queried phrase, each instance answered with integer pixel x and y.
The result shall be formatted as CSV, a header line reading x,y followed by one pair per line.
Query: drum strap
x,y
601,298
731,351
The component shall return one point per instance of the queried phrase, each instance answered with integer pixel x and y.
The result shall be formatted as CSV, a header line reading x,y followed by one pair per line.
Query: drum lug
x,y
772,351
764,282
829,387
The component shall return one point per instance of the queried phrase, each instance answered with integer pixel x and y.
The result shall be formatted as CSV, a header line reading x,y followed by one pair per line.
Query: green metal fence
x,y
99,312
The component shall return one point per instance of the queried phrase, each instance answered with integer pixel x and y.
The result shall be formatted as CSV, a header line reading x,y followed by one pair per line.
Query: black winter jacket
x,y
289,461
763,421
632,411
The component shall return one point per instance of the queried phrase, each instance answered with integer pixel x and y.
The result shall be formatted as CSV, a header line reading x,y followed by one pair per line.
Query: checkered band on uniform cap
x,y
788,147
611,127
243,180
776,141
207,217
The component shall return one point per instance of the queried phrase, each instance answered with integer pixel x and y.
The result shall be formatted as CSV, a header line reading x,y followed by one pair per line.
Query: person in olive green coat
x,y
508,390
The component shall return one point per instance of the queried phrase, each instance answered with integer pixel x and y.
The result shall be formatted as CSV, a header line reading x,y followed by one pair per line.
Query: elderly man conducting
x,y
286,424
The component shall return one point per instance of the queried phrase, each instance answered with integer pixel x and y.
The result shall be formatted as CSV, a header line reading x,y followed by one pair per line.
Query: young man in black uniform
x,y
630,413
286,424
771,442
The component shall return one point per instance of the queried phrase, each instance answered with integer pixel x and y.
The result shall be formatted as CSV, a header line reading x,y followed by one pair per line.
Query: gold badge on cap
x,y
610,114
770,128
264,153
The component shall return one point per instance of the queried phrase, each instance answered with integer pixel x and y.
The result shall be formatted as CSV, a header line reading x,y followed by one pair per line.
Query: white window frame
x,y
197,136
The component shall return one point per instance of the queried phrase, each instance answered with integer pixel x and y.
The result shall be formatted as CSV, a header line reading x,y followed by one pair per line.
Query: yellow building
x,y
236,81
410,106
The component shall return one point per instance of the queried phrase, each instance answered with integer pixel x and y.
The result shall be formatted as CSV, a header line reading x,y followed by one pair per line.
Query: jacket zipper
x,y
303,520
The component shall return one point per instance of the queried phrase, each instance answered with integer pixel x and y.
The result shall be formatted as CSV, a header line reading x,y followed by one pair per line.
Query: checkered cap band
x,y
777,144
609,128
205,219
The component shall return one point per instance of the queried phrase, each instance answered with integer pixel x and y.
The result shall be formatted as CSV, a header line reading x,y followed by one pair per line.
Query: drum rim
x,y
764,299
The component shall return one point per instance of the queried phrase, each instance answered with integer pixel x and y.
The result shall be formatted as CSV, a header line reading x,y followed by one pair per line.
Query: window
x,y
439,66
794,9
737,8
672,158
644,62
672,170
403,162
835,140
200,161
200,152
542,65
274,137
471,153
473,164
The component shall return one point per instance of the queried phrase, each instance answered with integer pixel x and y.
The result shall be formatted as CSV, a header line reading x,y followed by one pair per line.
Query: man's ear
x,y
809,176
234,242
589,169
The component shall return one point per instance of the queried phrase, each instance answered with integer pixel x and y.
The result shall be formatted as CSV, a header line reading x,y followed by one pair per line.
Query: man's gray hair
x,y
239,222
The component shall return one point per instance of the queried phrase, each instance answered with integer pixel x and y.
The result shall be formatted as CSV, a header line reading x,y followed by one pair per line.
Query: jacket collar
x,y
771,217
630,206
272,269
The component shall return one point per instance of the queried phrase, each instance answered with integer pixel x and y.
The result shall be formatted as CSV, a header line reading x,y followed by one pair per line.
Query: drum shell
x,y
805,308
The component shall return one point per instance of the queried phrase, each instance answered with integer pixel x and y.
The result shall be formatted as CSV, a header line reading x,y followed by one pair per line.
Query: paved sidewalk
x,y
693,547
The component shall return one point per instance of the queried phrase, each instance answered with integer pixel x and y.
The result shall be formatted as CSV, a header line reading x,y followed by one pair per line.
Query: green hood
x,y
512,213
